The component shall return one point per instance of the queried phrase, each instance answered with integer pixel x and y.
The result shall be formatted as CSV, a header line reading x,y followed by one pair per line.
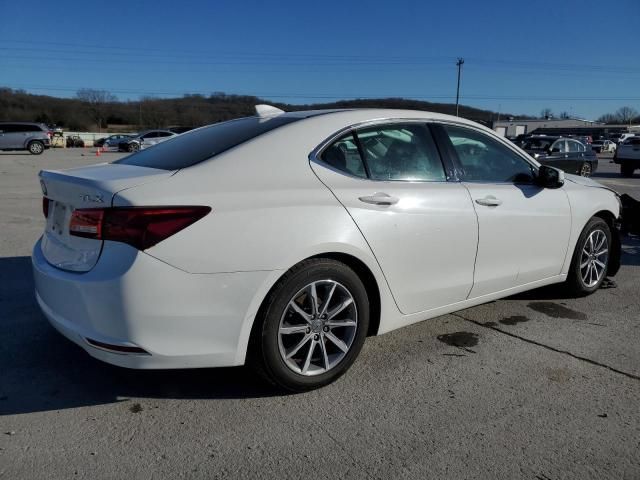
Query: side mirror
x,y
549,177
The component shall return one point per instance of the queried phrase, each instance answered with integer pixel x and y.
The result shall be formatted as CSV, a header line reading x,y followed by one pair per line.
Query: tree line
x,y
624,115
100,110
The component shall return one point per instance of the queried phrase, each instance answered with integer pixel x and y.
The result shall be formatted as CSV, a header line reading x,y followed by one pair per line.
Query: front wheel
x,y
35,147
585,170
590,258
133,147
313,326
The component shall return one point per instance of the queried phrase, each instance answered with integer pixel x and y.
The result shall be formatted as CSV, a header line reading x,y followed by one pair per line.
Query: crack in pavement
x,y
553,349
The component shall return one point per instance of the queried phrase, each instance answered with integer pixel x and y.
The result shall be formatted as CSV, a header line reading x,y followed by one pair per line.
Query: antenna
x,y
267,110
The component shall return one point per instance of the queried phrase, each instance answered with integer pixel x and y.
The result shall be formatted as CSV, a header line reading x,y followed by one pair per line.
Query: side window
x,y
150,135
165,134
343,155
574,146
484,159
401,152
28,128
560,146
9,128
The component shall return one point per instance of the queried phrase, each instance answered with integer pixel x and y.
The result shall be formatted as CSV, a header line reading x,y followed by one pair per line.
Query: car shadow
x,y
40,370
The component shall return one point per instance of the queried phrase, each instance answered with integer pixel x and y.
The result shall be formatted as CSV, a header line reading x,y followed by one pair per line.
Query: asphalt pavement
x,y
537,386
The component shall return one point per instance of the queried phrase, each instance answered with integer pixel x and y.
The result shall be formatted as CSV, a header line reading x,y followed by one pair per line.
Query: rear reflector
x,y
140,227
117,348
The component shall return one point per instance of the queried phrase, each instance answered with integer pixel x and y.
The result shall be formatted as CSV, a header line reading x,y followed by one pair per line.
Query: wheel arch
x,y
616,249
357,265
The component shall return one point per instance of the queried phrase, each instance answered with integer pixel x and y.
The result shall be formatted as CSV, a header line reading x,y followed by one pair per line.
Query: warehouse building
x,y
551,126
513,128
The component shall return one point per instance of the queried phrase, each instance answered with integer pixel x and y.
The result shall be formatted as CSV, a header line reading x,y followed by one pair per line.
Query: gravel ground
x,y
535,386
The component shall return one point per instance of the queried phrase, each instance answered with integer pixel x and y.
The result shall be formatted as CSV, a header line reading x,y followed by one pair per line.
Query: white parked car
x,y
601,146
627,155
284,239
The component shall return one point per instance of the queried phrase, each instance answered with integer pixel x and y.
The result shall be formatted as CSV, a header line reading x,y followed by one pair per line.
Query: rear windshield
x,y
194,147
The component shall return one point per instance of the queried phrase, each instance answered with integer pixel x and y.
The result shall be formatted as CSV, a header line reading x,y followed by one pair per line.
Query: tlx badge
x,y
92,198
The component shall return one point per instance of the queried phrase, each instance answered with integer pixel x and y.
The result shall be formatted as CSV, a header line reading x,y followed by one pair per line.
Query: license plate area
x,y
59,218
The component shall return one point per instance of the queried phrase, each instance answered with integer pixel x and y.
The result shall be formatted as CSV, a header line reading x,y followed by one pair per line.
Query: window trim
x,y
316,154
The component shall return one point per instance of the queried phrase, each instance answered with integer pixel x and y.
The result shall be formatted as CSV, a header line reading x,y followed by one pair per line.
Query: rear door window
x,y
574,146
28,128
343,155
196,146
559,147
401,152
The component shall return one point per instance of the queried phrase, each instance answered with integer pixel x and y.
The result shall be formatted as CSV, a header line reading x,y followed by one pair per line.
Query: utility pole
x,y
459,65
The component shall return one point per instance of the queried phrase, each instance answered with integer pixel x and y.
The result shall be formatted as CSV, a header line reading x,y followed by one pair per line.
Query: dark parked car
x,y
180,129
112,140
145,140
33,137
566,154
74,141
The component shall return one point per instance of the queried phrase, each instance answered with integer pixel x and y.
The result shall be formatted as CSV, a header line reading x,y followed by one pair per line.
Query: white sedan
x,y
284,239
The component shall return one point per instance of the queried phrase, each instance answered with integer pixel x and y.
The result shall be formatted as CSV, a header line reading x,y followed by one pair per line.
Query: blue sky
x,y
582,57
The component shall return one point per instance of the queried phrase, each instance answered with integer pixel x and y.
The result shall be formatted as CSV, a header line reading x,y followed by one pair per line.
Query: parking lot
x,y
537,386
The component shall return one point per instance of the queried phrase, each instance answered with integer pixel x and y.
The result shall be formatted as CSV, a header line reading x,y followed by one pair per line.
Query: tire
x,y
626,169
588,269
298,347
585,170
133,147
35,147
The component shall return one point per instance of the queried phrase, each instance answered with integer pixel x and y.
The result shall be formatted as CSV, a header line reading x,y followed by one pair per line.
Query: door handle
x,y
489,201
379,198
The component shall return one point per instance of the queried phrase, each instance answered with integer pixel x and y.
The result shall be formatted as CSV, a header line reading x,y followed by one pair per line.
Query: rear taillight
x,y
45,207
140,227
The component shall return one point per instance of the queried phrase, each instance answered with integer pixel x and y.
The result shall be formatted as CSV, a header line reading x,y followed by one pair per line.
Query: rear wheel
x,y
585,170
626,169
313,326
35,147
590,258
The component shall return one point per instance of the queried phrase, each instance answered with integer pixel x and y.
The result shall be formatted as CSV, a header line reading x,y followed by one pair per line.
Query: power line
x,y
294,58
404,95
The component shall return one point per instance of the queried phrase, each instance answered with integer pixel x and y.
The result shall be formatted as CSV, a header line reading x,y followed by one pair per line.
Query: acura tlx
x,y
282,240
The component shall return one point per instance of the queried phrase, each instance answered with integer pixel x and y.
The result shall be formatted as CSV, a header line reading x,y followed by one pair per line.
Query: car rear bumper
x,y
130,300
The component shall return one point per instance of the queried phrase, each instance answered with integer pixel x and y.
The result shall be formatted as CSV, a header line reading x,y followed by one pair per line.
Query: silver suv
x,y
33,137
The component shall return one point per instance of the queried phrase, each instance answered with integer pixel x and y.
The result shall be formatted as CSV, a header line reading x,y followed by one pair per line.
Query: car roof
x,y
354,116
373,113
155,130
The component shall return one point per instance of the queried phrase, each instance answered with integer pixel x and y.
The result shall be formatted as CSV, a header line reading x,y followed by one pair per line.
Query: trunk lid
x,y
84,187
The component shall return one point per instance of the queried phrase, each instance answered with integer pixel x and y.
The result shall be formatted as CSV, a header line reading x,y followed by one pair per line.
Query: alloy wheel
x,y
585,170
594,258
317,328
